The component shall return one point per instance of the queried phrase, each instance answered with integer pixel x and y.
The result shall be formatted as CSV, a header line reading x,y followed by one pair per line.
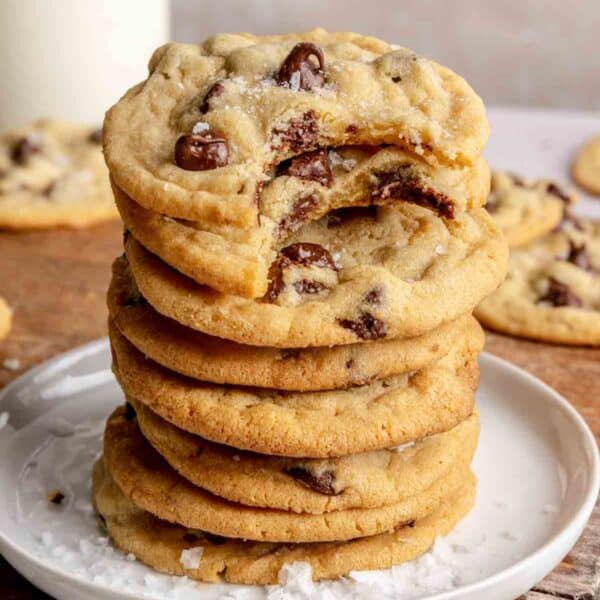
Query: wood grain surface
x,y
56,282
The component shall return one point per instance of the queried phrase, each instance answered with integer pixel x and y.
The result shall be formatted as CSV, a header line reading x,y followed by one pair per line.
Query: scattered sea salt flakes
x,y
11,364
440,250
4,416
295,81
165,186
403,447
190,558
200,126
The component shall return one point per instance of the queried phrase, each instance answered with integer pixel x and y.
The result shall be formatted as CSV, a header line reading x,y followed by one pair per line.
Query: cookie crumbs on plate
x,y
190,557
11,364
56,497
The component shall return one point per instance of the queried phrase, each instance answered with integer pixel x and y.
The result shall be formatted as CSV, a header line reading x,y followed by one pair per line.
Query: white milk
x,y
72,59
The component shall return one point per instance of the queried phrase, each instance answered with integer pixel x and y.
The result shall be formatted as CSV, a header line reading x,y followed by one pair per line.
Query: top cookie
x,y
526,210
52,174
201,136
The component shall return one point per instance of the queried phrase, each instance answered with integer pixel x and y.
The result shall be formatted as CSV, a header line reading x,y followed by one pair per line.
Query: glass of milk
x,y
73,59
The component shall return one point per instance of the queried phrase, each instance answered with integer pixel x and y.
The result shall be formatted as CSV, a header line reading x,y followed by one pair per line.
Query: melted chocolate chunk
x,y
95,136
303,207
24,149
312,166
375,296
342,215
403,184
321,483
300,133
306,286
301,253
578,256
201,151
56,497
560,294
366,327
554,190
298,71
352,128
214,92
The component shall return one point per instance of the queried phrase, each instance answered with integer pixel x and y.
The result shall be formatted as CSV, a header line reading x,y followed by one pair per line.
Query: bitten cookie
x,y
526,210
380,414
552,291
150,483
585,168
52,174
203,134
383,272
364,480
176,550
209,358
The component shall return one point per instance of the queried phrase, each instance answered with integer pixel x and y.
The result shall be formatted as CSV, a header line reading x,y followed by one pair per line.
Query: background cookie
x,y
398,272
585,168
378,415
552,291
5,318
208,358
304,485
161,545
526,210
150,483
53,174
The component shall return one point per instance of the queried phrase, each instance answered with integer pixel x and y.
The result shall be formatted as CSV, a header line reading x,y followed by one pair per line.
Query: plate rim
x,y
571,527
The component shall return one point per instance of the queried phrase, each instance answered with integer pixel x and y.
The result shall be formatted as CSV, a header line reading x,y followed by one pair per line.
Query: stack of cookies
x,y
291,320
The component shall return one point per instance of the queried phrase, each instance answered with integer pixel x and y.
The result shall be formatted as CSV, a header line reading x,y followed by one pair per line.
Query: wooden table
x,y
56,282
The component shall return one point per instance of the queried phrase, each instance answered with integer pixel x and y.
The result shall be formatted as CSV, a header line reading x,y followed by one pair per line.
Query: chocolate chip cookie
x,y
552,291
524,209
52,174
585,168
209,358
165,546
380,414
365,480
214,122
152,485
381,272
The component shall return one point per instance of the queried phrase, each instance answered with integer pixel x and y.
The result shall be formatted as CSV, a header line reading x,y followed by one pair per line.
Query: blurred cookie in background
x,y
52,174
585,168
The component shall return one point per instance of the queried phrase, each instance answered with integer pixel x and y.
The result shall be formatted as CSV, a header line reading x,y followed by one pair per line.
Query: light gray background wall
x,y
523,52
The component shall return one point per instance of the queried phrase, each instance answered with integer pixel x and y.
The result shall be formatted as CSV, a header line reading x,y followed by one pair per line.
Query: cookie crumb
x,y
55,497
11,364
190,558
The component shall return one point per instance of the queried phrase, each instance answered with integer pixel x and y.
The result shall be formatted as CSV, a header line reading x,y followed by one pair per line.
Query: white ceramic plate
x,y
537,464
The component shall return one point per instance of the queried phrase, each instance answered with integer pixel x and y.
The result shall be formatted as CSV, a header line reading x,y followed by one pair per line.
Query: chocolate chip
x,y
375,296
404,524
298,71
129,412
214,92
559,294
306,286
24,149
350,363
49,189
56,497
312,166
216,540
300,133
554,190
95,136
352,128
404,184
342,215
201,151
321,483
300,253
301,208
578,256
366,327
